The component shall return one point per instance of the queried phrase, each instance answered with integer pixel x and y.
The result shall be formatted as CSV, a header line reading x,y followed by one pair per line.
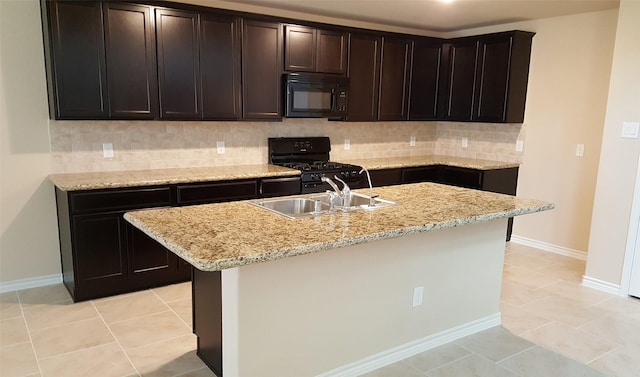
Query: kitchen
x,y
27,201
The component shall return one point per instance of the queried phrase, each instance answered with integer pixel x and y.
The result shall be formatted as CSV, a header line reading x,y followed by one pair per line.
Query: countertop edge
x,y
222,264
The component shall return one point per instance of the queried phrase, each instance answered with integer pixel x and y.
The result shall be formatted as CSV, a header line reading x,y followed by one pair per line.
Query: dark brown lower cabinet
x,y
502,181
102,254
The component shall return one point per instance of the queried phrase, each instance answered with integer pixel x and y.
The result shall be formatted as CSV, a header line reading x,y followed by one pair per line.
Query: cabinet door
x,y
150,263
100,249
77,73
131,61
220,67
461,83
394,79
178,64
493,79
331,54
299,48
261,70
364,75
426,73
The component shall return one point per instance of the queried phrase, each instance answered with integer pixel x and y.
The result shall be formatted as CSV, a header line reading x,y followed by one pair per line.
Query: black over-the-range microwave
x,y
315,95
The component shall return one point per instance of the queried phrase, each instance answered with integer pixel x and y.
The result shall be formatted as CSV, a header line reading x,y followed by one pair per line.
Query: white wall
x,y
619,161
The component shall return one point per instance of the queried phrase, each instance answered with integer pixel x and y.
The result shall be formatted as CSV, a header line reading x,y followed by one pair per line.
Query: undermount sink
x,y
319,204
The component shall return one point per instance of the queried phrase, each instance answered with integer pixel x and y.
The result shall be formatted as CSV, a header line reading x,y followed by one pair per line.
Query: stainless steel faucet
x,y
344,194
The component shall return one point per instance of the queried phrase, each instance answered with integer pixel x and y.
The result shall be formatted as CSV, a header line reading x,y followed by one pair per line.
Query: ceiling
x,y
436,15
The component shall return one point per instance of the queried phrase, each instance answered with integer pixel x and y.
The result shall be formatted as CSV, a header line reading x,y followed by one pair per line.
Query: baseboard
x,y
601,285
396,354
39,281
577,254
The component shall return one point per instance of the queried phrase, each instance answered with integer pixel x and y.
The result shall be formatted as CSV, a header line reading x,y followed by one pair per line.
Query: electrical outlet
x,y
418,293
220,147
465,142
412,141
519,146
347,144
107,150
580,150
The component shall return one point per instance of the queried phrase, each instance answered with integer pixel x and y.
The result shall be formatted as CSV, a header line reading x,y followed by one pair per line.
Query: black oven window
x,y
311,100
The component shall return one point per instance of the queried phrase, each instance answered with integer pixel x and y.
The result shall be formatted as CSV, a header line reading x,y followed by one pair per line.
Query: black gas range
x,y
310,155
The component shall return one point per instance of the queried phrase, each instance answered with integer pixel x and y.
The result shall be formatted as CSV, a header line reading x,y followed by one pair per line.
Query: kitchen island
x,y
344,293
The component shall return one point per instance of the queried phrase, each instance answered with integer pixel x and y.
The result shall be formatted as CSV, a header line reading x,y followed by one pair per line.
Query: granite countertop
x,y
404,162
214,237
136,178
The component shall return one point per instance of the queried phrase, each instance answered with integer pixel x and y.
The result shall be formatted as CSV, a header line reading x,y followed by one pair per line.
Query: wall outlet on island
x,y
220,147
107,150
418,293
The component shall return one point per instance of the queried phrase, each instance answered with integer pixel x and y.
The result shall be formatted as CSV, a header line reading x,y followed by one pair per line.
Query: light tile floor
x,y
148,333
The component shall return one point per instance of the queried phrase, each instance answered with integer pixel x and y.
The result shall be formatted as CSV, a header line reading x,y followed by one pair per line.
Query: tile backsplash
x,y
76,146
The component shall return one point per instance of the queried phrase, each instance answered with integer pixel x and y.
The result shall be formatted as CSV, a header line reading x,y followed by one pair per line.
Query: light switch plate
x,y
580,150
418,293
630,130
220,147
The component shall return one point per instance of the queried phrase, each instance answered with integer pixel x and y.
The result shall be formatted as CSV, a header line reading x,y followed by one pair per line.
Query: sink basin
x,y
294,207
318,204
358,201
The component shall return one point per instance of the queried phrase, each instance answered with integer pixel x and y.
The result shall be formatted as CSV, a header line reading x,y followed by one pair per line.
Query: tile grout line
x,y
116,339
26,325
171,309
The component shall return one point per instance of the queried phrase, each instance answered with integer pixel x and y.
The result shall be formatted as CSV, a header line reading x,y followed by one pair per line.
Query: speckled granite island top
x,y
214,237
134,178
405,162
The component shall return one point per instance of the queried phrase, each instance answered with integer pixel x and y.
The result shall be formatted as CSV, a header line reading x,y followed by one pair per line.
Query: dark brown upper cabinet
x,y
198,65
220,67
463,57
308,49
395,72
488,76
502,77
131,61
178,64
75,59
261,70
364,76
426,77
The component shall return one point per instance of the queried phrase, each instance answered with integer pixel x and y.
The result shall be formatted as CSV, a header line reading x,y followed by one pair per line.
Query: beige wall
x,y
569,79
566,102
619,161
28,231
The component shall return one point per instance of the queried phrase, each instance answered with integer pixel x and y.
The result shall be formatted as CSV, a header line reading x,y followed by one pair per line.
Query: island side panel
x,y
207,317
311,314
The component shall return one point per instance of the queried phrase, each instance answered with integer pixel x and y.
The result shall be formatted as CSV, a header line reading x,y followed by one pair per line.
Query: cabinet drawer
x,y
217,192
280,186
386,177
423,174
117,200
462,177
